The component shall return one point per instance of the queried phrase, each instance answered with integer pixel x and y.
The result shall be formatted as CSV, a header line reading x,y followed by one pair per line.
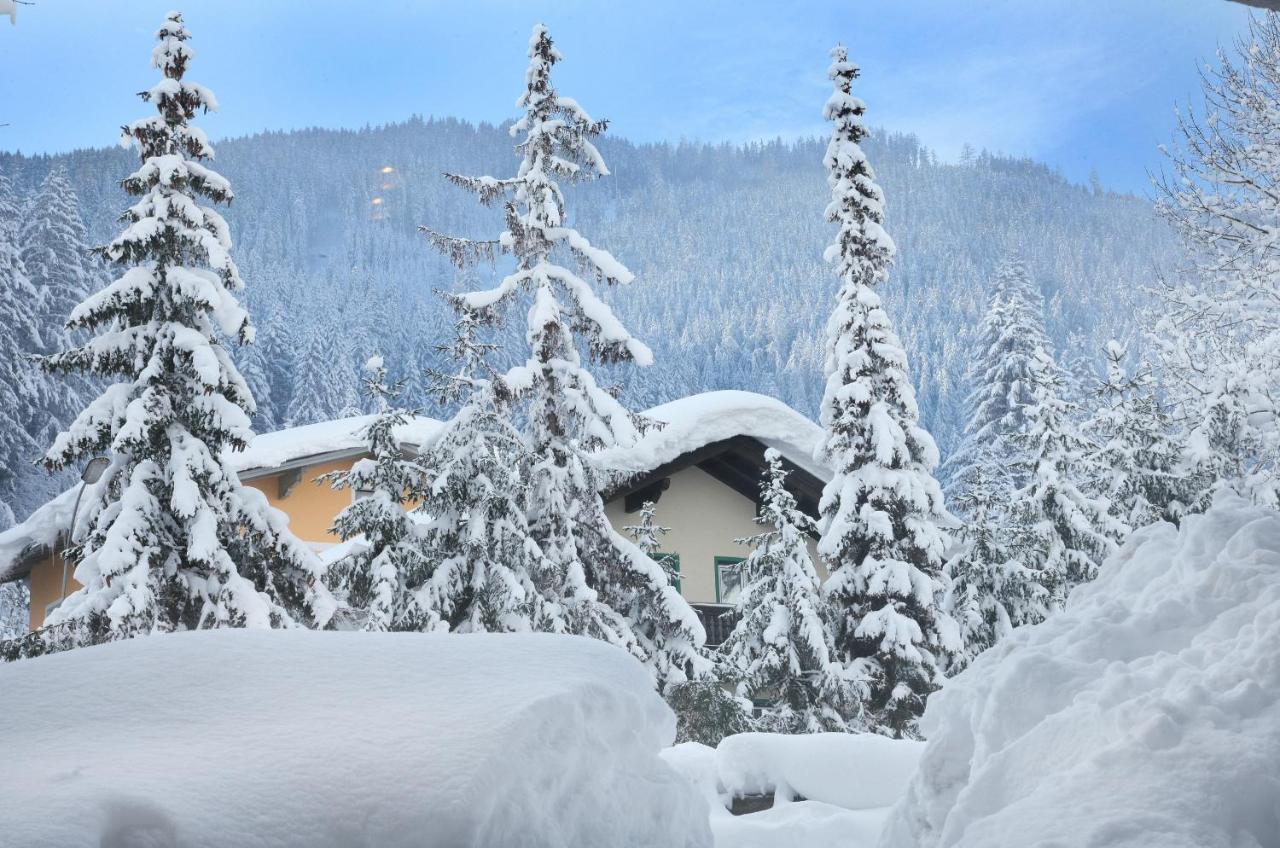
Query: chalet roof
x,y
698,428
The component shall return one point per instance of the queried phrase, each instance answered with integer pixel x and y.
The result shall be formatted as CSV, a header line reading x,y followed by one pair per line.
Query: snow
x,y
699,420
850,780
1146,713
856,771
271,450
243,738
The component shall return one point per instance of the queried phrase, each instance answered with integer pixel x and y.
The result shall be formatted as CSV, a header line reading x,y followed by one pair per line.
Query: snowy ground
x,y
254,739
849,782
1146,714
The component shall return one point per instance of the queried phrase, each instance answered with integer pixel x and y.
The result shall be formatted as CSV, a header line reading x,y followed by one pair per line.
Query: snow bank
x,y
696,421
249,739
1147,713
851,781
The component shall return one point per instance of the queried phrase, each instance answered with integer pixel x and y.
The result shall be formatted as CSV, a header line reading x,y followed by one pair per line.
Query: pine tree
x,y
1001,378
56,253
782,649
22,390
596,582
882,511
1064,534
379,576
15,602
989,590
173,540
1138,456
57,257
325,383
648,538
476,529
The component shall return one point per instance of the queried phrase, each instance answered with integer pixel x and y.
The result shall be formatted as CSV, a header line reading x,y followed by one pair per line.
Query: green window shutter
x,y
727,586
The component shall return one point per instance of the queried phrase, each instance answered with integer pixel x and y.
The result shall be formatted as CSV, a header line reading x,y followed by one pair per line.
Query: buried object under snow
x,y
250,738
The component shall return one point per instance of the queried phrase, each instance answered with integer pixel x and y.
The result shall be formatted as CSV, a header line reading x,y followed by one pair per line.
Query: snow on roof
x,y
269,451
691,423
328,739
699,420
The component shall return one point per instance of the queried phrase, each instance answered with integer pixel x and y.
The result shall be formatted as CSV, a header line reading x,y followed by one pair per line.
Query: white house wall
x,y
705,516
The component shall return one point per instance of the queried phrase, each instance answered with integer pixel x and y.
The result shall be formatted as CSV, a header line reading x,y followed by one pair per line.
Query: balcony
x,y
718,620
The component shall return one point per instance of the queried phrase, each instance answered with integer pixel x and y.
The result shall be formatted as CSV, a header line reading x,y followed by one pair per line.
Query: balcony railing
x,y
718,620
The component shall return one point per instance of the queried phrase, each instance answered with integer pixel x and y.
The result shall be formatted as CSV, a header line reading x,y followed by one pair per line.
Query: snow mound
x,y
253,739
856,771
1147,713
851,781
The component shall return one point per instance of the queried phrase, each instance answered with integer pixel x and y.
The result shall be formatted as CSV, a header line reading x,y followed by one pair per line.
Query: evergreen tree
x,y
476,529
989,591
56,252
22,391
595,582
173,540
57,257
782,649
1139,459
15,603
379,577
1001,378
648,538
882,511
1064,534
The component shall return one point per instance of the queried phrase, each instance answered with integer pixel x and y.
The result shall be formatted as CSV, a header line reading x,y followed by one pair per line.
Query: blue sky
x,y
1079,84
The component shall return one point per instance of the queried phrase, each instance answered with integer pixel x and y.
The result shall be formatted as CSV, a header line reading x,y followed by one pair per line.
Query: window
x,y
672,563
728,579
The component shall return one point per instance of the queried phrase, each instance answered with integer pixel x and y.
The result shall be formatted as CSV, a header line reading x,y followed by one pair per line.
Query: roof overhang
x,y
737,462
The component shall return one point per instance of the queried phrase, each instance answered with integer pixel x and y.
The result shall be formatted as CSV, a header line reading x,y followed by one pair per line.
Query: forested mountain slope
x,y
726,242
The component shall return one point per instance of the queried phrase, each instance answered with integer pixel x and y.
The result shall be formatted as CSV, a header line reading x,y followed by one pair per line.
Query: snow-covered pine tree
x,y
58,260
989,591
1001,377
171,540
596,582
782,650
1216,333
648,537
326,386
1139,460
475,503
378,578
1063,534
22,388
15,602
882,511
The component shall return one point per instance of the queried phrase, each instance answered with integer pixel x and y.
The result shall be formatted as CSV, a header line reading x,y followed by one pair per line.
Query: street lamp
x,y
92,473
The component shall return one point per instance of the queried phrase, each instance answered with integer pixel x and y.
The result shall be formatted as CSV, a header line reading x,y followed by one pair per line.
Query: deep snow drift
x,y
246,739
849,781
1147,713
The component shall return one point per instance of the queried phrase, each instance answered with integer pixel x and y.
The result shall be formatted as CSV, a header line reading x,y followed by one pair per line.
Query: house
x,y
701,464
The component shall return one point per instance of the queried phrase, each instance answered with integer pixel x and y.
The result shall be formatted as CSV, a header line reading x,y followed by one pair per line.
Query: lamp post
x,y
92,473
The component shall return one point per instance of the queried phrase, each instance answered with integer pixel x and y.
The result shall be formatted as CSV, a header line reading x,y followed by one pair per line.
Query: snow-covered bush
x,y
244,738
1146,713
